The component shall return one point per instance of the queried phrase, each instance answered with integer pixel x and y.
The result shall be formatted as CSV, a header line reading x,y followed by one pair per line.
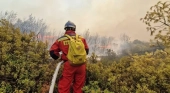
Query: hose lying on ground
x,y
54,77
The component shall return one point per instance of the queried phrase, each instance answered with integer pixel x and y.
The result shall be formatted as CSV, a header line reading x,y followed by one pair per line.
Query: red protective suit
x,y
71,74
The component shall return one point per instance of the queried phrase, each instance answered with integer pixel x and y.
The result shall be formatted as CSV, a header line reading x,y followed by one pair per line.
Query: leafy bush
x,y
24,64
145,73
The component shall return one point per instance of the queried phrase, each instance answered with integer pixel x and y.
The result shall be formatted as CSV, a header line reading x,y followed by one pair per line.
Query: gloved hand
x,y
53,55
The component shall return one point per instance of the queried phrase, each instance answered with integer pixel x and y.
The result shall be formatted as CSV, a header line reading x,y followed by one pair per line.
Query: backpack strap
x,y
69,37
77,36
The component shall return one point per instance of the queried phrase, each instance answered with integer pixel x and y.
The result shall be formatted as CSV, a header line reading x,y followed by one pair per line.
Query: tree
x,y
111,55
124,38
95,43
158,20
9,16
106,44
39,27
124,48
87,36
98,44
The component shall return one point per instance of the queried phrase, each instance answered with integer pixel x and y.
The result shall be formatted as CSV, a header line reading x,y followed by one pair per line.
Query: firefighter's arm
x,y
54,51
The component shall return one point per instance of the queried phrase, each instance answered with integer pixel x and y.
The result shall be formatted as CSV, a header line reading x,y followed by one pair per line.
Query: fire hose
x,y
54,77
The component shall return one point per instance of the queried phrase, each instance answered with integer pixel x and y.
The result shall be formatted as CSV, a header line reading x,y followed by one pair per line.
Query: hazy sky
x,y
105,17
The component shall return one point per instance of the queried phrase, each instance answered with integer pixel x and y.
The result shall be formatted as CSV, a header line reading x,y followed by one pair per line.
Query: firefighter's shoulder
x,y
62,38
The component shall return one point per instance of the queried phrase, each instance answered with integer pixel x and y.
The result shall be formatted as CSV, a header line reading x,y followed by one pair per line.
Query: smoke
x,y
105,17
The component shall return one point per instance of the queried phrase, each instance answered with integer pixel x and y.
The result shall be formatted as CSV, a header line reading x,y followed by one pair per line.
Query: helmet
x,y
71,25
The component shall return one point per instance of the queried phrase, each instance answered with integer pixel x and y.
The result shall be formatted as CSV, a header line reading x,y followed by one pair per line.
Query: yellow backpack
x,y
76,51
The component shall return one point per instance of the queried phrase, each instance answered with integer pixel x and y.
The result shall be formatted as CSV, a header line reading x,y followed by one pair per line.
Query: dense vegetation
x,y
23,60
25,65
147,73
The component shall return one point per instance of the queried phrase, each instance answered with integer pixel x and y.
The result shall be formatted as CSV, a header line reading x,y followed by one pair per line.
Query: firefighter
x,y
72,75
